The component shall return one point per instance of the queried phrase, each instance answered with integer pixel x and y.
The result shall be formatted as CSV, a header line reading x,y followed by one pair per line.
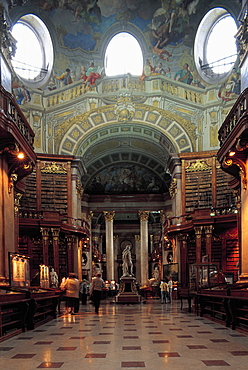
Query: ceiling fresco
x,y
163,22
127,179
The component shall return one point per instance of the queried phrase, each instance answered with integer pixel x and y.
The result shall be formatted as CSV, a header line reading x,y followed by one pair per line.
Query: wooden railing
x,y
12,116
71,223
239,109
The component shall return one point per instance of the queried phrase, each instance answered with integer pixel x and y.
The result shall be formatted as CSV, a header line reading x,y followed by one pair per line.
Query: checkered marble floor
x,y
147,335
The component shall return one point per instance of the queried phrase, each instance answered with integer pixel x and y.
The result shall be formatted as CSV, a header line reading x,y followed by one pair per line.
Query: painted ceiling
x,y
82,22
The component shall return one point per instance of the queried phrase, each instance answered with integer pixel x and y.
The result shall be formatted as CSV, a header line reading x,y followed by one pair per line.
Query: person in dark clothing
x,y
96,288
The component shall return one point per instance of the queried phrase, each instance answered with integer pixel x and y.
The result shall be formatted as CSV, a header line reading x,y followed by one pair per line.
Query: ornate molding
x,y
198,231
242,39
79,188
55,233
228,162
208,230
53,168
173,188
198,165
143,215
124,108
109,216
12,179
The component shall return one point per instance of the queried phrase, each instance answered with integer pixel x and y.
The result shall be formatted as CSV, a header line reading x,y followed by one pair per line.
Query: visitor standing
x,y
71,287
96,288
83,292
164,291
170,286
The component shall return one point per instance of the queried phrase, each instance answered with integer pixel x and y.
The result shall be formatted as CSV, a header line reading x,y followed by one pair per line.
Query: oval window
x,y
123,55
215,46
33,58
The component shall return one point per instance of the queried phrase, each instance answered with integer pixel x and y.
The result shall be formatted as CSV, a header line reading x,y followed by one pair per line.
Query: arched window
x,y
123,55
215,45
33,59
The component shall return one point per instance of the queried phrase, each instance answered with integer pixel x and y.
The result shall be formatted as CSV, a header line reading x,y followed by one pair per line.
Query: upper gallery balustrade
x,y
108,88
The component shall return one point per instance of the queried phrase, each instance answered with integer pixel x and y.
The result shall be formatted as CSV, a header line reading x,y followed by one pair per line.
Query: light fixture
x,y
212,212
20,155
231,153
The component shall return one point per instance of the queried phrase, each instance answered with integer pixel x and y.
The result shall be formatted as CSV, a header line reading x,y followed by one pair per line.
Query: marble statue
x,y
127,264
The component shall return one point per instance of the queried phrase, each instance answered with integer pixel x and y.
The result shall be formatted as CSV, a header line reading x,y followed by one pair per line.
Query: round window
x,y
215,47
33,58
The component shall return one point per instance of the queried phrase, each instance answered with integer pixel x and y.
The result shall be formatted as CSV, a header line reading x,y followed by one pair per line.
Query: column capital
x,y
163,216
90,216
143,215
55,233
109,215
208,230
45,232
198,230
183,237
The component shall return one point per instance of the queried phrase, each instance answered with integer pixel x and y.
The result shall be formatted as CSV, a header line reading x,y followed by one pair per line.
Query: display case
x,y
19,270
204,275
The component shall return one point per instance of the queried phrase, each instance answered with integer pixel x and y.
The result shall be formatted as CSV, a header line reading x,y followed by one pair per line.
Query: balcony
x,y
233,138
37,219
16,136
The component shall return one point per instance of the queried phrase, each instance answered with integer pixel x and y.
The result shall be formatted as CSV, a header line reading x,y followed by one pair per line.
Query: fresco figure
x,y
168,72
147,70
82,75
161,52
65,78
159,69
92,75
22,95
184,75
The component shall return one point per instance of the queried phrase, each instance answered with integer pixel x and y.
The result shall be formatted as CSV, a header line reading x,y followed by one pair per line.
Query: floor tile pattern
x,y
147,335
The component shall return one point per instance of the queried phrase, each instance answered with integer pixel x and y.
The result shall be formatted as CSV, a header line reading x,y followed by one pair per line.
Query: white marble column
x,y
89,255
116,243
143,215
109,218
138,267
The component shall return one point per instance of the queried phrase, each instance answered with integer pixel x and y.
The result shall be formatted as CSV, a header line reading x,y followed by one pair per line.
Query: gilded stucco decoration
x,y
178,129
53,168
143,215
173,188
198,165
79,188
109,215
228,162
124,108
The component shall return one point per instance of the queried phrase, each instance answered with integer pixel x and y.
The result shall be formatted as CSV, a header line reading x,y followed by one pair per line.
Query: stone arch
x,y
84,130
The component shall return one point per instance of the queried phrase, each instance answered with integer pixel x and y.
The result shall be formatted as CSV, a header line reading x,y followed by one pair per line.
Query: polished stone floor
x,y
147,335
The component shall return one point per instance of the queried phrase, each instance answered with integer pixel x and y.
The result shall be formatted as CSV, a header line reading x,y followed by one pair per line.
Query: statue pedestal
x,y
128,291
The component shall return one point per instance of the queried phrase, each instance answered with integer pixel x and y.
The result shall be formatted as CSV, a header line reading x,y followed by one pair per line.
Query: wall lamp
x,y
20,155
